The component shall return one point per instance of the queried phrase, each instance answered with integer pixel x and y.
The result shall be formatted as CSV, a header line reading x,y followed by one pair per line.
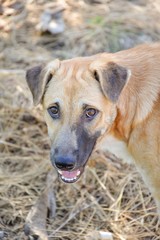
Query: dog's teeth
x,y
68,179
78,173
60,172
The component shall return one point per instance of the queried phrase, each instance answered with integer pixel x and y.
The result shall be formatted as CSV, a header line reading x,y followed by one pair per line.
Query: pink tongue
x,y
72,174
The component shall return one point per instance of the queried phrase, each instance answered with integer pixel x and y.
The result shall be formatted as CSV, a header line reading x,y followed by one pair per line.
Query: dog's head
x,y
79,98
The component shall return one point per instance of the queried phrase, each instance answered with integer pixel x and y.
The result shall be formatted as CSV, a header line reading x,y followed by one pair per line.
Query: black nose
x,y
64,163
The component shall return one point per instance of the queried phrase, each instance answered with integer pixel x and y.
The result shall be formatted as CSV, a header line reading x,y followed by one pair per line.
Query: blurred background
x,y
34,32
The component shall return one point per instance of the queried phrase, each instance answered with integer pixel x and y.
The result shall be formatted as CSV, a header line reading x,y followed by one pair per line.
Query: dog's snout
x,y
64,163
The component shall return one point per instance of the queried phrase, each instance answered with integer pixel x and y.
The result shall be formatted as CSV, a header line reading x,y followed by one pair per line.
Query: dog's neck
x,y
135,105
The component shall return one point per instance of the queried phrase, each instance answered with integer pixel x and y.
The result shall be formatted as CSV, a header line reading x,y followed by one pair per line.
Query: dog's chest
x,y
116,147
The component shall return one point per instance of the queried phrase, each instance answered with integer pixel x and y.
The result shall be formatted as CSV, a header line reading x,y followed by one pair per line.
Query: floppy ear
x,y
112,79
38,77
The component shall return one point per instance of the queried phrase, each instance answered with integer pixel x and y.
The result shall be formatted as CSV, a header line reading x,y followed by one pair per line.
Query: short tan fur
x,y
124,88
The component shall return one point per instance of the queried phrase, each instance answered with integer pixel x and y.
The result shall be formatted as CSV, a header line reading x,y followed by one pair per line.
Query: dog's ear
x,y
112,78
38,77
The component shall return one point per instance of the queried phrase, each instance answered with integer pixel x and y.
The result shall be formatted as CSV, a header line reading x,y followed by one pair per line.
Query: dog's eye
x,y
91,113
54,111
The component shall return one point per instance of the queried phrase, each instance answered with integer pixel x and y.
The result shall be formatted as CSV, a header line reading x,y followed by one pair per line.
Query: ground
x,y
110,195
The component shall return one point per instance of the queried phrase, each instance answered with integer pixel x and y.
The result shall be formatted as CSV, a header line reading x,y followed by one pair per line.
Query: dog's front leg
x,y
147,161
151,176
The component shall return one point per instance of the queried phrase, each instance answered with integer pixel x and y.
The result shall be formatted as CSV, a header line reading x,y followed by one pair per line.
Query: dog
x,y
108,101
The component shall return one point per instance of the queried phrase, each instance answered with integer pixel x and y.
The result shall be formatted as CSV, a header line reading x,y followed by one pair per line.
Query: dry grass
x,y
110,196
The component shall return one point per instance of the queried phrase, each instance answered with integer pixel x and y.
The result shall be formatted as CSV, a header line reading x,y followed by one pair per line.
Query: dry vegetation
x,y
110,196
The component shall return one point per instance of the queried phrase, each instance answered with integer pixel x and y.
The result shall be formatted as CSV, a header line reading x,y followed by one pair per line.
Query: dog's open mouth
x,y
70,176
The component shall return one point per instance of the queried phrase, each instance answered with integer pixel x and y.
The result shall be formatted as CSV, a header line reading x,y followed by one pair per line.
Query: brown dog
x,y
106,102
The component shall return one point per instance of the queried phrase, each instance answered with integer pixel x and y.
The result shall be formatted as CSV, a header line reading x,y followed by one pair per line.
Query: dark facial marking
x,y
85,143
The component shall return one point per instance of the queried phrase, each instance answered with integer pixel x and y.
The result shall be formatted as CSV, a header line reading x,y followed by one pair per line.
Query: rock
x,y
52,20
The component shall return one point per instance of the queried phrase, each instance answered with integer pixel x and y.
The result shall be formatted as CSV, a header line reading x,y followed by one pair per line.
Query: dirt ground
x,y
110,195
